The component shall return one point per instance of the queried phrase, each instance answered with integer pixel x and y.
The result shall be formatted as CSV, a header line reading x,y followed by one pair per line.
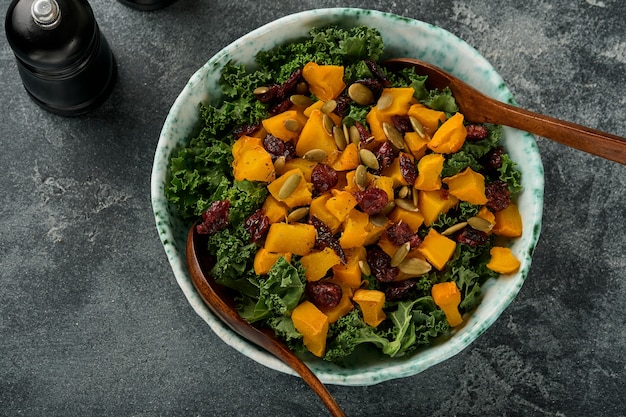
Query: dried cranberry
x,y
384,155
380,264
323,294
472,237
494,158
498,195
324,238
343,102
323,177
373,84
215,218
402,123
407,169
372,200
476,132
276,147
377,72
257,225
245,130
399,233
280,107
398,290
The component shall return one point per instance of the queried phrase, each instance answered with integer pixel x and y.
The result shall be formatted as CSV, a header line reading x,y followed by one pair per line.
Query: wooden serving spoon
x,y
480,108
218,299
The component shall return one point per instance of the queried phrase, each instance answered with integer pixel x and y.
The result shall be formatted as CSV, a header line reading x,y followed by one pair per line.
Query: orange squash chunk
x,y
503,261
468,185
251,161
264,260
296,238
429,118
276,124
448,297
371,303
429,172
317,264
300,196
508,222
325,81
437,249
354,229
450,136
350,273
314,136
312,324
432,203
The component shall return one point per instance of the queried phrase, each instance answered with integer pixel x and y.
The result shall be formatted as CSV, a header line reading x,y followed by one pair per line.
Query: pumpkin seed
x,y
315,155
414,267
301,100
360,176
454,228
340,138
289,186
360,94
355,136
279,164
480,224
328,106
369,159
292,125
365,268
328,124
298,214
384,101
415,195
405,204
400,254
394,135
403,192
379,220
346,132
417,126
260,90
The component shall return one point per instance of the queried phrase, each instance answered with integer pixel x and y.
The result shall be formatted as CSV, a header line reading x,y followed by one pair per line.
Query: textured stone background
x,y
93,323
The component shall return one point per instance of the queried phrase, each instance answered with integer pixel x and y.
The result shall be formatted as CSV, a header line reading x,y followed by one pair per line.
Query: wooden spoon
x,y
479,108
218,299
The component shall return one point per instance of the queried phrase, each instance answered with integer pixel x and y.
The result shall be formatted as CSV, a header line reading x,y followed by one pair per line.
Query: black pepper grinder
x,y
64,61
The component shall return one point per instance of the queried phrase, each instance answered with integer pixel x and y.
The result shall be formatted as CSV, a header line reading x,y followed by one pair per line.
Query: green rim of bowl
x,y
402,37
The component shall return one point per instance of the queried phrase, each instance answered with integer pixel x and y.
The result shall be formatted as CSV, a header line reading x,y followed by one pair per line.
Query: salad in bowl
x,y
352,209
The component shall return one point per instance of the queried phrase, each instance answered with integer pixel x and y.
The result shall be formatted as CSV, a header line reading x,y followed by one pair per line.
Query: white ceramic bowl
x,y
404,38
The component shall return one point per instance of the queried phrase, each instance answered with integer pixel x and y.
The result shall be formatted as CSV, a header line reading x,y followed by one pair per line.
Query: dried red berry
x,y
215,218
384,155
323,177
407,169
325,239
323,294
380,264
372,200
498,195
476,132
472,237
398,290
257,225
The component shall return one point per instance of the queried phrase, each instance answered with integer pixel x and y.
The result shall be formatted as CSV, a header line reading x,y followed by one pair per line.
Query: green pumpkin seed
x,y
354,135
414,267
360,176
369,159
394,135
328,124
403,192
260,90
405,204
417,126
292,125
315,155
297,214
384,101
379,220
279,164
301,100
360,94
340,138
328,106
365,268
400,254
454,228
289,186
480,224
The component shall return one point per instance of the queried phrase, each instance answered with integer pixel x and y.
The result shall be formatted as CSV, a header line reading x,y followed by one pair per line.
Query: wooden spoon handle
x,y
589,140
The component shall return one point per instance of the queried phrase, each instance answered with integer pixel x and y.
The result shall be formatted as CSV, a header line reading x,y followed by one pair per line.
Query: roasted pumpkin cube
x,y
371,303
503,260
450,136
437,249
354,229
300,195
468,185
350,273
508,222
264,260
433,203
312,324
429,172
297,238
317,264
325,81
